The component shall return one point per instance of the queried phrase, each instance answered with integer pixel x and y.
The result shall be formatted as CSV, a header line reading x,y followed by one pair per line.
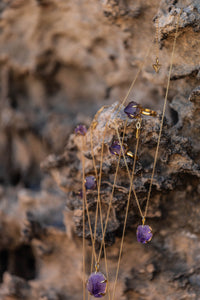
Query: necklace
x,y
133,110
81,130
144,232
97,283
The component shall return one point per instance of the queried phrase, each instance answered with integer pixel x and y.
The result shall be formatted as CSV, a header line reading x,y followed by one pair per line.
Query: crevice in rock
x,y
22,262
3,262
174,116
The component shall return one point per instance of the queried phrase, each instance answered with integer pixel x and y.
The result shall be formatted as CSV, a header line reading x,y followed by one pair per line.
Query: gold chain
x,y
163,115
143,216
138,126
131,176
84,198
100,211
117,108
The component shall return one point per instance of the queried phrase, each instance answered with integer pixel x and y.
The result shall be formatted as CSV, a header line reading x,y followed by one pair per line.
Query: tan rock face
x,y
61,61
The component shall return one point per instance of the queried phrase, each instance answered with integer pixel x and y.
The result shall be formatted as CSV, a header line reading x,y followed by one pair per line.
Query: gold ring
x,y
134,110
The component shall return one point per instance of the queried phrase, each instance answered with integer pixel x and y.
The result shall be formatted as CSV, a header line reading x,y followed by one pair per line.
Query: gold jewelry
x,y
116,149
135,110
144,232
156,66
142,111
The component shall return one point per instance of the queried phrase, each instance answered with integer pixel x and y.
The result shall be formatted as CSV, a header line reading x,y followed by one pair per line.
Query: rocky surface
x,y
61,61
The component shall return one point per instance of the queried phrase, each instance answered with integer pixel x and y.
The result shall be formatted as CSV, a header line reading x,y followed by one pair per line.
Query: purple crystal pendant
x,y
133,110
90,182
144,234
80,130
115,148
97,284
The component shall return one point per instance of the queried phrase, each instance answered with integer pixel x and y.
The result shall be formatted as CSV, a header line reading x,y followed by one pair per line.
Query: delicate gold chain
x,y
105,130
99,181
163,115
157,37
112,193
99,206
96,174
85,205
97,260
143,216
84,197
128,171
138,126
119,106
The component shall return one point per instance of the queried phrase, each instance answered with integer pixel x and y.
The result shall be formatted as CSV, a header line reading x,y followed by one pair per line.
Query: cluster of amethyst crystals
x,y
144,234
133,110
97,285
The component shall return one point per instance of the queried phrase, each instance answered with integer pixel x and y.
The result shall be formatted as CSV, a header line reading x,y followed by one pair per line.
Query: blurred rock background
x,y
60,61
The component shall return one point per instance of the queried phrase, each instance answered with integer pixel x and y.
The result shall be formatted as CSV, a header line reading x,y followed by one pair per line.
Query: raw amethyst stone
x,y
90,182
132,110
115,148
81,130
144,234
97,284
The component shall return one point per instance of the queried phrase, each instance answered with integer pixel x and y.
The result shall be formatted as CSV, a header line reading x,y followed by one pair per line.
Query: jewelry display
x,y
97,283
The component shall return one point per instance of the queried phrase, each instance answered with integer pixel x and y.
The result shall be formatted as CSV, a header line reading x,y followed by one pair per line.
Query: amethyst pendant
x,y
97,285
144,234
90,182
116,148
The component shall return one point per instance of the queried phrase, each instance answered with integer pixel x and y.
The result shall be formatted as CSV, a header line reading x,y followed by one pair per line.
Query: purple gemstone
x,y
90,182
97,284
144,234
81,130
115,148
132,110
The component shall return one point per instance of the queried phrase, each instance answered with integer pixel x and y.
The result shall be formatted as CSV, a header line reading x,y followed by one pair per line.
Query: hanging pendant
x,y
156,66
116,149
144,234
97,285
90,182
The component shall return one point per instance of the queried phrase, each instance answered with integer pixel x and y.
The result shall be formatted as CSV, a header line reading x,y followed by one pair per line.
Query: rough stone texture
x,y
60,61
